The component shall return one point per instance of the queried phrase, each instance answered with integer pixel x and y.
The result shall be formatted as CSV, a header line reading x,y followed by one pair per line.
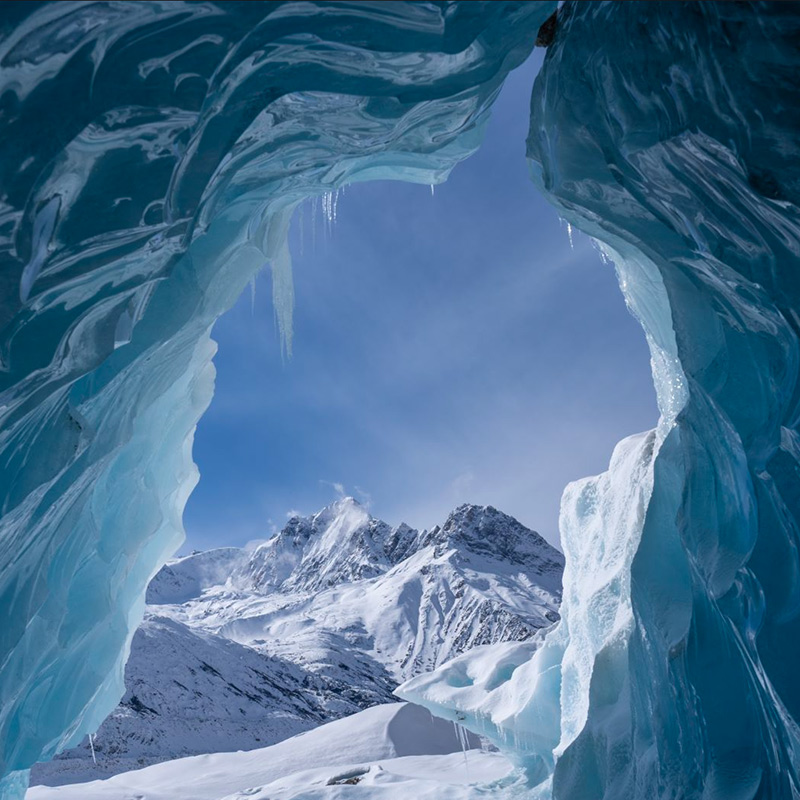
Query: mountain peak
x,y
339,505
338,544
342,506
323,619
486,531
342,543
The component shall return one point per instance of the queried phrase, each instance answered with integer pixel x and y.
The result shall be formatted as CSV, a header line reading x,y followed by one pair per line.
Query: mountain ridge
x,y
243,648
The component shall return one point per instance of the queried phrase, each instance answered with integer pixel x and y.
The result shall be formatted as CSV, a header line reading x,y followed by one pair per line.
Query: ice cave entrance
x,y
455,343
688,545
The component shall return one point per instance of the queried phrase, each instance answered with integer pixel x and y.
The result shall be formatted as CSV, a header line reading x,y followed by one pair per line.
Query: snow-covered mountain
x,y
241,649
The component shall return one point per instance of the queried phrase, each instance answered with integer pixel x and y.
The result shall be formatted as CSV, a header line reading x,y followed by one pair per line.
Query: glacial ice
x,y
151,157
673,673
152,154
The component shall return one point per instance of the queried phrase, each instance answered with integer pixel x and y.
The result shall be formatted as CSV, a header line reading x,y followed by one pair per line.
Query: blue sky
x,y
449,348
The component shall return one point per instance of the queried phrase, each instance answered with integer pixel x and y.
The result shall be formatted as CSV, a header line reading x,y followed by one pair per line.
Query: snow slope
x,y
190,691
240,650
401,740
480,578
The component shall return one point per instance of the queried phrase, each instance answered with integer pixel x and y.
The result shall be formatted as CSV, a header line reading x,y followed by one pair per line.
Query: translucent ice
x,y
150,159
668,132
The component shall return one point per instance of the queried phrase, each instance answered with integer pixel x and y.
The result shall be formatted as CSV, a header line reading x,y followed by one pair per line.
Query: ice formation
x,y
150,159
152,154
668,132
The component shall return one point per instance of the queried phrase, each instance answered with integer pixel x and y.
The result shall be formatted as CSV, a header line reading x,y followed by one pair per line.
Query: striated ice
x,y
151,158
668,132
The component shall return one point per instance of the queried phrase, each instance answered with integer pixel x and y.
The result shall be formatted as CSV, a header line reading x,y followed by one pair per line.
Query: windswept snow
x,y
396,744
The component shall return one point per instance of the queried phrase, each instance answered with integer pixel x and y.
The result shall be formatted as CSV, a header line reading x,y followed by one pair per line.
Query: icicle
x,y
329,211
91,745
463,740
314,223
301,212
566,224
283,296
432,190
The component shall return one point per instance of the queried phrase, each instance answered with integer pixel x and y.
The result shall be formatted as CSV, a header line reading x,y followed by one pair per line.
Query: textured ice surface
x,y
670,132
151,155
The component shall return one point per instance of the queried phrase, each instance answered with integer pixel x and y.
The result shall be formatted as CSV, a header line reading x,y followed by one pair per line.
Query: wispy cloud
x,y
254,544
364,496
335,485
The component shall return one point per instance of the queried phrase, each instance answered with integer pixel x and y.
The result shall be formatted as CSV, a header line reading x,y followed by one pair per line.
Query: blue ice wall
x,y
151,155
671,133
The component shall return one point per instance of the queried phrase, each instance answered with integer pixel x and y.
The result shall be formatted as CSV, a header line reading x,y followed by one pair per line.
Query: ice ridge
x,y
669,133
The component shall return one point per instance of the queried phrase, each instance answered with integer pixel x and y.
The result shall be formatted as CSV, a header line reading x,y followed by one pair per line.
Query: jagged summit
x,y
340,543
487,532
338,506
343,542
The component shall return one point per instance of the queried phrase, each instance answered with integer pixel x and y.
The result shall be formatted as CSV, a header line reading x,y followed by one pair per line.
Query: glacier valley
x,y
242,649
151,157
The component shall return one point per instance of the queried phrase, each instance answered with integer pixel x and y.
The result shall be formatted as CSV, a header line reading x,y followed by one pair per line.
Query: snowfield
x,y
393,750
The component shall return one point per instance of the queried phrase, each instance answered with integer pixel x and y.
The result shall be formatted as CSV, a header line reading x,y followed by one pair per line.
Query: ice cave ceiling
x,y
151,155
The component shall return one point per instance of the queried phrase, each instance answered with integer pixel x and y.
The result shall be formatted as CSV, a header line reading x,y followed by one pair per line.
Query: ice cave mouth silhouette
x,y
685,549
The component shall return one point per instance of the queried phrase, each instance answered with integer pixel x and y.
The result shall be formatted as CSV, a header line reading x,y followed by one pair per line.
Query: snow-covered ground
x,y
242,649
389,751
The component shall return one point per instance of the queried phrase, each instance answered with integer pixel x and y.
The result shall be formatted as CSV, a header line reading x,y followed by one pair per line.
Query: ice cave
x,y
152,155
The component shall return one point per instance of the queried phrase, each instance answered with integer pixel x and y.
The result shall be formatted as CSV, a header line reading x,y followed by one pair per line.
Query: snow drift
x,y
332,752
